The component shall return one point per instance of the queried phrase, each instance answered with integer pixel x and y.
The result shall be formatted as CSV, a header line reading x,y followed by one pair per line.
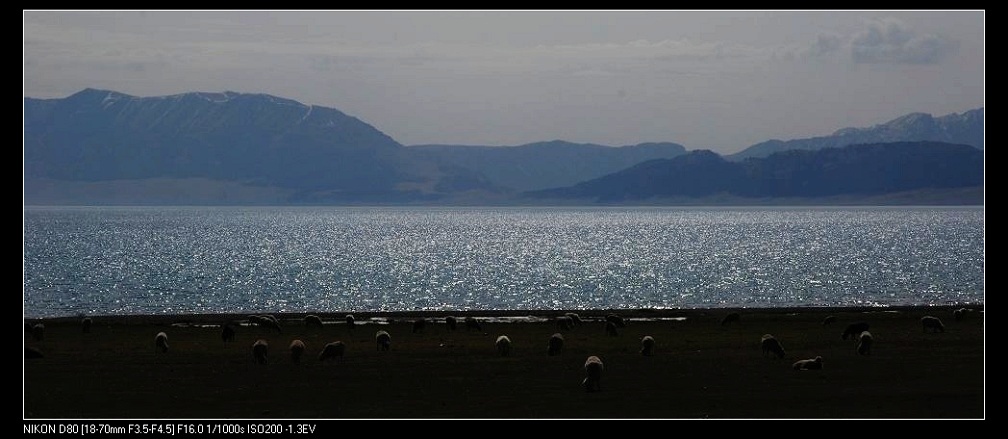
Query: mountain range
x,y
864,170
547,164
302,153
965,128
105,147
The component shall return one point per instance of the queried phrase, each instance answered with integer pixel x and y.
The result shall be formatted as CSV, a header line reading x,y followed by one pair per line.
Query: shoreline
x,y
638,313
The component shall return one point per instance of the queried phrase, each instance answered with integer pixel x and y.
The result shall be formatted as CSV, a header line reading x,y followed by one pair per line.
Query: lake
x,y
168,260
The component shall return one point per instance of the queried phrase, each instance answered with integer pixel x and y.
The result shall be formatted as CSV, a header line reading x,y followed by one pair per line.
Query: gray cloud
x,y
826,44
891,41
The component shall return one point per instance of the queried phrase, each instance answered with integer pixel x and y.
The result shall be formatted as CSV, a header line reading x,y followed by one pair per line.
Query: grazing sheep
x,y
270,321
555,345
593,374
265,321
350,322
161,342
227,333
259,351
864,343
419,325
828,320
332,350
451,322
853,330
297,348
610,329
86,325
384,340
564,323
574,318
503,344
933,323
961,313
771,345
472,324
731,317
616,320
313,321
813,364
30,352
37,330
647,346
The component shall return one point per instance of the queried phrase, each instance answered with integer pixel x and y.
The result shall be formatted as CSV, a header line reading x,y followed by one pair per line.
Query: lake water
x,y
158,260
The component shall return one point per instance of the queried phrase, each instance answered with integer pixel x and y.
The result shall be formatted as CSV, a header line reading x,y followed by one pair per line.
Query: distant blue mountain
x,y
966,128
105,147
546,164
868,170
207,142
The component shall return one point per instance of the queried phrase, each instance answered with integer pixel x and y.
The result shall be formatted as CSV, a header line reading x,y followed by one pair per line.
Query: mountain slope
x,y
966,128
546,164
315,154
856,170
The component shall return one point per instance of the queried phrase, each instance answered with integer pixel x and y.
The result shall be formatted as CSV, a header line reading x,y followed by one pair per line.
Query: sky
x,y
718,80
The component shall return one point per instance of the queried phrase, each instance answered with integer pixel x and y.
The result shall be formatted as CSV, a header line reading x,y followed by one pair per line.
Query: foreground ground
x,y
701,368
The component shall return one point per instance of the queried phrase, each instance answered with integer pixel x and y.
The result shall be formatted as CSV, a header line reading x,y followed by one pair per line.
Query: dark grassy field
x,y
700,369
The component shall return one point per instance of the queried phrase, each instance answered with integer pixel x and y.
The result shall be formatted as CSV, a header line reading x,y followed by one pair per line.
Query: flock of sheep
x,y
593,366
856,331
383,340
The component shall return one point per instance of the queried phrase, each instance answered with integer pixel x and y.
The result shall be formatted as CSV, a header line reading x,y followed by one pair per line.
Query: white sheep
x,y
472,324
297,348
419,325
647,346
383,340
264,321
731,317
933,323
313,321
270,321
593,373
332,350
161,342
575,318
812,364
555,345
961,313
616,320
227,333
771,345
853,330
610,329
564,323
503,344
259,351
864,343
37,330
350,321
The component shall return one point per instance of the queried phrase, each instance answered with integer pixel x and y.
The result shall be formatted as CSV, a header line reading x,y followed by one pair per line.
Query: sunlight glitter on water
x,y
157,260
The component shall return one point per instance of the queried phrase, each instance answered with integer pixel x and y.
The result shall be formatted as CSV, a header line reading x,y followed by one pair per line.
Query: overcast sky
x,y
714,80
